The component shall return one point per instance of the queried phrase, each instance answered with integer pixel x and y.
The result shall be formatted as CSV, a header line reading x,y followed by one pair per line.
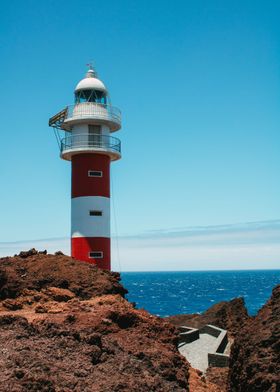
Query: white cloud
x,y
244,246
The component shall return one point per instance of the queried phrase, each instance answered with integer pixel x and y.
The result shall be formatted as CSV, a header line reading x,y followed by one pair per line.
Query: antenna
x,y
90,65
91,71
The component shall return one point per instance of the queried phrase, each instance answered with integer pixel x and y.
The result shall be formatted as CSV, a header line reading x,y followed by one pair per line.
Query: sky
x,y
198,85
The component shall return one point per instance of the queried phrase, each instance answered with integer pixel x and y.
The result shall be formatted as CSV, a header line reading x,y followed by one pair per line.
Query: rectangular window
x,y
95,173
95,213
95,255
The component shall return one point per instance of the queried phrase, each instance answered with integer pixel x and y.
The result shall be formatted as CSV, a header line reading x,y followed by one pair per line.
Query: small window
x,y
95,173
95,255
95,213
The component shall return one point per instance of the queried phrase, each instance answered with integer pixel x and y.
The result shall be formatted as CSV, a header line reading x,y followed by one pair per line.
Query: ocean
x,y
169,293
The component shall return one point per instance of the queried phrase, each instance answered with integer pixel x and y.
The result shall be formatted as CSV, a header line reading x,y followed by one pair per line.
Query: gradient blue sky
x,y
198,83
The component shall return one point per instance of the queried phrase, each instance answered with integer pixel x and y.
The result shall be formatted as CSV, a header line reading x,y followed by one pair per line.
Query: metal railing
x,y
94,110
90,142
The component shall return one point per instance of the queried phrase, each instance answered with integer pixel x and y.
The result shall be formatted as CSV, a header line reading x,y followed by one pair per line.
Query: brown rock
x,y
12,304
37,272
255,355
92,342
218,377
82,351
231,315
41,309
30,252
59,253
199,383
58,294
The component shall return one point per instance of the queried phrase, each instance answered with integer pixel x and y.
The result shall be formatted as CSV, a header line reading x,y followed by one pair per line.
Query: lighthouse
x,y
83,131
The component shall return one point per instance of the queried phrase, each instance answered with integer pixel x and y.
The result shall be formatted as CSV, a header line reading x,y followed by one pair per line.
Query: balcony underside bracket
x,y
58,119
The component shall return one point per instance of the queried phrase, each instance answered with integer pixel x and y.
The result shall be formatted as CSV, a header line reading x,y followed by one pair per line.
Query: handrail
x,y
91,142
93,109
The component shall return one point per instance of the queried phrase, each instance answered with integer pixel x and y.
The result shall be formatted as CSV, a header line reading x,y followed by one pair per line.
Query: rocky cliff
x,y
230,315
65,326
255,355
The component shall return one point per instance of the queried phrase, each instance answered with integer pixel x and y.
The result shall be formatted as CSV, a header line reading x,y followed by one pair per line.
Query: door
x,y
94,136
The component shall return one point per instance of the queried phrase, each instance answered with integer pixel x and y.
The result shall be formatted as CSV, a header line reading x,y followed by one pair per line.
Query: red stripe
x,y
82,184
81,246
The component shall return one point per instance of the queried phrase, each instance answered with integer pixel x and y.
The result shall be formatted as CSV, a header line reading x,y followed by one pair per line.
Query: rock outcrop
x,y
255,354
35,270
66,326
214,381
230,315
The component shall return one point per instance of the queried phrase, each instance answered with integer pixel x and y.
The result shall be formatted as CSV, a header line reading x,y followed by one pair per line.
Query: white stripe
x,y
84,225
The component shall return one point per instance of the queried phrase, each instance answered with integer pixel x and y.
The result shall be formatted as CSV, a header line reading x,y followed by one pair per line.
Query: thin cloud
x,y
251,245
273,225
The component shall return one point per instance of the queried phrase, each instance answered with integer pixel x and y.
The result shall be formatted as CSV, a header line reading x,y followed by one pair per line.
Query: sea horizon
x,y
204,270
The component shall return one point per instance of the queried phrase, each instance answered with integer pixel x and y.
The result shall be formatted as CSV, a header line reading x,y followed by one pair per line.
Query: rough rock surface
x,y
38,271
214,381
218,377
230,315
255,355
65,326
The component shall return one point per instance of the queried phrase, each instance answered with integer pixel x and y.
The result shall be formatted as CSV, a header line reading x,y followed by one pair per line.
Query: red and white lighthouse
x,y
88,144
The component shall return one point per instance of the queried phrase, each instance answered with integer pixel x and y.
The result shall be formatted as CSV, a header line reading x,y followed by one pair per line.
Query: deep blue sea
x,y
170,293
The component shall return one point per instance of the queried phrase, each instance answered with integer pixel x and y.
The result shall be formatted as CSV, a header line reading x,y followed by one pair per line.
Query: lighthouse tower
x,y
87,142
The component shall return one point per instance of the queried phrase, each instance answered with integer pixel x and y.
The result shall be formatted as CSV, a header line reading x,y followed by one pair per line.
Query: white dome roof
x,y
90,83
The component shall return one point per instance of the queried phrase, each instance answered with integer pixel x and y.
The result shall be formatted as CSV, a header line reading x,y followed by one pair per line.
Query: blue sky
x,y
199,88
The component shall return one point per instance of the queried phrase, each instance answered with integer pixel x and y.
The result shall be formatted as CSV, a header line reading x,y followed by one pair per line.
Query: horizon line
x,y
205,270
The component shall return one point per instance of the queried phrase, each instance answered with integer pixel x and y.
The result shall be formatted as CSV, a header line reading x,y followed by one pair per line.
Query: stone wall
x,y
189,336
218,360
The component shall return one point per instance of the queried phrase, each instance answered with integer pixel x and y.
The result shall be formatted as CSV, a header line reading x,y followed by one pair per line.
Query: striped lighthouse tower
x,y
88,144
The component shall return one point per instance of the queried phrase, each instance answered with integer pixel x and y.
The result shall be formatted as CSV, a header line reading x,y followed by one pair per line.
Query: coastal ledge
x,y
66,325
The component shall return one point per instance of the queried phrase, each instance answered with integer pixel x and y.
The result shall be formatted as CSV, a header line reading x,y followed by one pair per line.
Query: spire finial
x,y
90,72
90,65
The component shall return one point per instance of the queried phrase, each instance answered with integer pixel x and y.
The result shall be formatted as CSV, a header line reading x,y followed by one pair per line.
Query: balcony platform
x,y
83,144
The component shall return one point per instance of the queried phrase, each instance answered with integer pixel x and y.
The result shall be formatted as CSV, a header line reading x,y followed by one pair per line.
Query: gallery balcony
x,y
90,143
88,111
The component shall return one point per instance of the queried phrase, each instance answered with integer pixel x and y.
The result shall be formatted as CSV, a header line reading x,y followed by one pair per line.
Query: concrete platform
x,y
209,346
197,352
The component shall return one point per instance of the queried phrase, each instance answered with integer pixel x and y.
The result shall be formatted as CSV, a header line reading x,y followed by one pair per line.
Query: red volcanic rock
x,y
217,377
231,315
36,271
58,294
65,326
214,381
255,354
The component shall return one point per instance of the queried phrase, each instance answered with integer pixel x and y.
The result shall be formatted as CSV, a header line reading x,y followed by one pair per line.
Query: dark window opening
x,y
95,255
95,173
95,213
